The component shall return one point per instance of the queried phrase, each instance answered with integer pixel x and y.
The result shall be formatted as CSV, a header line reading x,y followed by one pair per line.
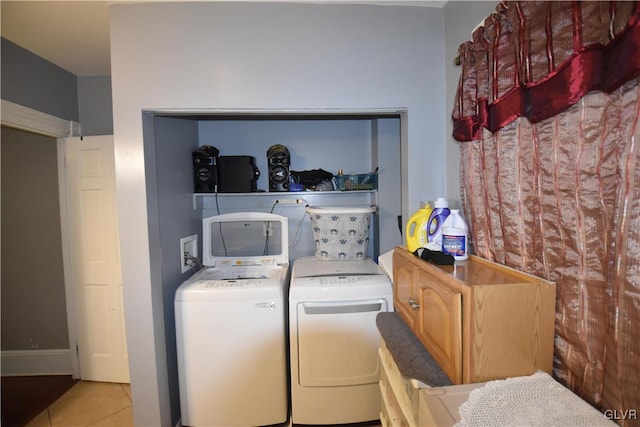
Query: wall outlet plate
x,y
188,248
290,201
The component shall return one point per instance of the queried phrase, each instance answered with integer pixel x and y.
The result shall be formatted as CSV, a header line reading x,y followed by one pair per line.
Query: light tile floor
x,y
95,404
89,404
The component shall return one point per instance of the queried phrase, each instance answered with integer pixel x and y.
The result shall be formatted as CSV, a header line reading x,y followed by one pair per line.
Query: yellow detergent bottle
x,y
416,230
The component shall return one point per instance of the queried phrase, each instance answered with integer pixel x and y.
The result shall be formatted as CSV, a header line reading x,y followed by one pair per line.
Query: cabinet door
x,y
404,296
439,325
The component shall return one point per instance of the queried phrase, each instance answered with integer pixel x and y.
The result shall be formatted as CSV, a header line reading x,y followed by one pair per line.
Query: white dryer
x,y
231,324
334,340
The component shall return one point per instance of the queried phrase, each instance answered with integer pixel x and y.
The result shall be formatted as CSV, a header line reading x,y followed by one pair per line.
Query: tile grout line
x,y
107,416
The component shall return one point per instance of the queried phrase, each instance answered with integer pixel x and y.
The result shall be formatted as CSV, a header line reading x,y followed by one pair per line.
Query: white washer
x,y
334,339
230,324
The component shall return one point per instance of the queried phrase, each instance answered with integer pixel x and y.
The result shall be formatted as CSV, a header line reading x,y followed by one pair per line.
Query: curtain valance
x,y
536,59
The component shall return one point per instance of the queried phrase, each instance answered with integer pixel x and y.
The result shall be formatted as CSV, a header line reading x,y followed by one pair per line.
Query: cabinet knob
x,y
414,304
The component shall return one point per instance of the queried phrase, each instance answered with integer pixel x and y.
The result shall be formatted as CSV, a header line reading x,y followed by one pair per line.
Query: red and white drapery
x,y
547,112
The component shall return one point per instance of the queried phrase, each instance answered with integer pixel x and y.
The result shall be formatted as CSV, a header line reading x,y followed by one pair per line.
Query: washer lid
x,y
245,238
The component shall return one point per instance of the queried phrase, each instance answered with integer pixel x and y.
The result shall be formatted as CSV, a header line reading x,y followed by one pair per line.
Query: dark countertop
x,y
412,358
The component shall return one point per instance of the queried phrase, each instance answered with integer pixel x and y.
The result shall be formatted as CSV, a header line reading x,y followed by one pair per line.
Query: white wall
x,y
271,56
94,105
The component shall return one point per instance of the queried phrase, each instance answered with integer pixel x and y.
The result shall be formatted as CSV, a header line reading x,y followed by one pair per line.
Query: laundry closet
x,y
350,142
354,142
336,143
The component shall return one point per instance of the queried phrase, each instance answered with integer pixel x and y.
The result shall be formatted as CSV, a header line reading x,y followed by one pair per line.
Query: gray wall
x,y
169,147
386,134
33,295
36,83
33,82
33,292
33,309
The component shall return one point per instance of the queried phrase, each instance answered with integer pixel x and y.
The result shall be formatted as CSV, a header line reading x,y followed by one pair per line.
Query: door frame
x,y
26,119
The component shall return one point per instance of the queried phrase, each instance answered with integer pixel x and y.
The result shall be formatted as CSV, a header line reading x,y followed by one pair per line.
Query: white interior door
x,y
95,259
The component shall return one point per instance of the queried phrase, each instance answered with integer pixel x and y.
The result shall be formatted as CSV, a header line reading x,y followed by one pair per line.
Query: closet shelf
x,y
280,195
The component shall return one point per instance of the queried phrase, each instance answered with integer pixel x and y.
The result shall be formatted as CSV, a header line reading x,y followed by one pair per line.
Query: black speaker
x,y
278,162
205,169
238,174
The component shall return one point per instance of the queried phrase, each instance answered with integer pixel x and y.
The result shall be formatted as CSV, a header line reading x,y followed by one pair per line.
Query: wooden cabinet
x,y
479,320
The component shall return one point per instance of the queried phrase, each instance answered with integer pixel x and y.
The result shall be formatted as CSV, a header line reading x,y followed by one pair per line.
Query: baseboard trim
x,y
36,362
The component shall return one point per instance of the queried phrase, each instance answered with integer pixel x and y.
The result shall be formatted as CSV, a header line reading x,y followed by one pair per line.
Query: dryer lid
x,y
313,267
245,238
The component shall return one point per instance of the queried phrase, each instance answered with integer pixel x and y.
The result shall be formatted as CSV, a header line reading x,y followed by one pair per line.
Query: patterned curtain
x,y
547,112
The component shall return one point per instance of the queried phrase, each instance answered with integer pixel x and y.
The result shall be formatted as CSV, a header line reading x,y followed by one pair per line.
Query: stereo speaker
x,y
238,174
278,162
205,169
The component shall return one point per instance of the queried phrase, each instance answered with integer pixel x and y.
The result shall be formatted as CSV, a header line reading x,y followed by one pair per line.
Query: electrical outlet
x,y
188,248
290,201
